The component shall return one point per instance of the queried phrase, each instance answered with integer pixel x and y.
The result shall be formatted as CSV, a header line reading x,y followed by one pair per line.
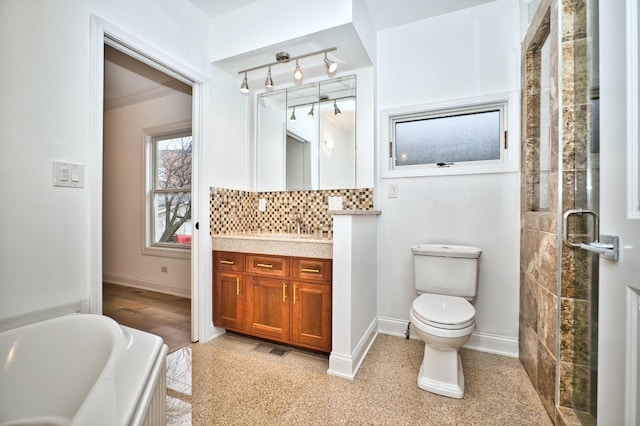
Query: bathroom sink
x,y
288,236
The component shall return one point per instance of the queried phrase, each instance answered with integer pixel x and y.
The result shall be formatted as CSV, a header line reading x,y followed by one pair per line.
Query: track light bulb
x,y
331,66
245,86
310,115
293,114
336,110
268,82
297,74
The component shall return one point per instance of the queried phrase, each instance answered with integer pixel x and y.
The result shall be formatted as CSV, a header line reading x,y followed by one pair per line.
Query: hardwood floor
x,y
167,316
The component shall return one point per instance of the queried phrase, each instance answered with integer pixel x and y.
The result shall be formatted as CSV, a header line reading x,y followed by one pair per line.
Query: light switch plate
x,y
262,204
68,174
393,190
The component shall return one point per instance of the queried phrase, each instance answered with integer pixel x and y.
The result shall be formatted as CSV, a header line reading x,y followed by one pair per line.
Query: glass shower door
x,y
581,201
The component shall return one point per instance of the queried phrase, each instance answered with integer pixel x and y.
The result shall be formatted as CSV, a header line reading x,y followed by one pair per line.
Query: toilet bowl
x,y
442,316
445,324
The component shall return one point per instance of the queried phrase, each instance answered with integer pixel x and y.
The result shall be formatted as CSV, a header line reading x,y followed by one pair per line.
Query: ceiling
x,y
385,13
129,81
351,54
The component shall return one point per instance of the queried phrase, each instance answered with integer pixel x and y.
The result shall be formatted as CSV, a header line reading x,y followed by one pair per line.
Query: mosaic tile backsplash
x,y
235,211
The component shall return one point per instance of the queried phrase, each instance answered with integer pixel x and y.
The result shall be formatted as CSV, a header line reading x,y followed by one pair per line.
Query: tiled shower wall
x,y
539,228
545,349
235,211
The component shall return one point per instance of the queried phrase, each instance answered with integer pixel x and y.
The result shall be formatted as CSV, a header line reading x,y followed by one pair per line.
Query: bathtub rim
x,y
122,389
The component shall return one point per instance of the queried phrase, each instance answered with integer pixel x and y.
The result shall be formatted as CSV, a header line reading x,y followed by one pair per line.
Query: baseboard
x,y
346,366
392,326
483,342
492,343
159,287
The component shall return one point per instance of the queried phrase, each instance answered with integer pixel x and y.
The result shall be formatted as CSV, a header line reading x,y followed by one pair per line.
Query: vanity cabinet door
x,y
268,308
311,310
228,300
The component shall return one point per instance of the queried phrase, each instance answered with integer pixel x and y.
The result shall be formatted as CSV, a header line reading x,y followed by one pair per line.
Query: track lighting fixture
x,y
245,86
284,57
293,114
331,66
336,110
297,74
268,82
310,115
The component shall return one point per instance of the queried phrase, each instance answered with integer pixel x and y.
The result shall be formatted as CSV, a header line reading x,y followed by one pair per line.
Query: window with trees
x,y
169,189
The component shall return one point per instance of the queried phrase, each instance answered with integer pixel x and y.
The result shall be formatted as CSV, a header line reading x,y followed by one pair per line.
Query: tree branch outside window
x,y
171,193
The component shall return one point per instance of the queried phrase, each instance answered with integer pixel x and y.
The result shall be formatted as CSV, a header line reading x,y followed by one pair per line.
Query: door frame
x,y
104,32
632,346
618,324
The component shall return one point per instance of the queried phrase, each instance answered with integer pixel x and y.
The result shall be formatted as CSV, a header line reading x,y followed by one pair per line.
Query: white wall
x,y
230,160
265,23
463,54
123,189
44,108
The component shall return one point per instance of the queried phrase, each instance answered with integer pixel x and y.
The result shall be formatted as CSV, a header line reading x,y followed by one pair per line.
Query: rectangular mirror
x,y
306,137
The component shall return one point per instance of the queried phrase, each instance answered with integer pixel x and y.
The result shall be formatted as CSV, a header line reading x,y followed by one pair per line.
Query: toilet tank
x,y
446,269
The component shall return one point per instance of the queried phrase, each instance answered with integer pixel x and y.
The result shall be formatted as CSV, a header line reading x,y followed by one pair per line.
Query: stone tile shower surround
x,y
546,350
234,211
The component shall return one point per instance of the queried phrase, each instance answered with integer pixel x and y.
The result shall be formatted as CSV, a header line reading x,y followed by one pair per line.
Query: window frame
x,y
508,105
149,174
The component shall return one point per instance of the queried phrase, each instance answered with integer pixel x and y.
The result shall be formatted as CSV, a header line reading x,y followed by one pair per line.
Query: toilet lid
x,y
444,311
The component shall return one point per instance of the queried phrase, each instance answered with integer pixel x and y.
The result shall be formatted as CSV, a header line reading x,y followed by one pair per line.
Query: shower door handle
x,y
578,212
607,246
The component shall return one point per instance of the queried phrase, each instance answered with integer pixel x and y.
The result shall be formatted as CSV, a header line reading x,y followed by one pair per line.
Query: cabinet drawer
x,y
228,261
272,266
312,269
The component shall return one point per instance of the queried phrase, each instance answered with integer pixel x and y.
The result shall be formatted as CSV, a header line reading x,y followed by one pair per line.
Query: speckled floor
x,y
232,380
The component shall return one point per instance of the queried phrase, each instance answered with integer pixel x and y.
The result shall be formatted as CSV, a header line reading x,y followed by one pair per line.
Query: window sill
x,y
177,253
448,171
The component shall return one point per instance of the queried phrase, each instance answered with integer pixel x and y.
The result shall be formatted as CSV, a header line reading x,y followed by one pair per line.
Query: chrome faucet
x,y
298,220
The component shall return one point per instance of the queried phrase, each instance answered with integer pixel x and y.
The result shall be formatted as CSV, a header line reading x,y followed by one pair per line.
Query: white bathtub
x,y
81,369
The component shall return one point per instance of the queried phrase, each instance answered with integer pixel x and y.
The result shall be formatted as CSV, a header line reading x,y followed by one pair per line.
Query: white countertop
x,y
282,244
355,212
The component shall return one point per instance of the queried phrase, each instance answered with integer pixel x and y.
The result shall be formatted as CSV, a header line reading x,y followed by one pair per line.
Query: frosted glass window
x,y
446,138
460,138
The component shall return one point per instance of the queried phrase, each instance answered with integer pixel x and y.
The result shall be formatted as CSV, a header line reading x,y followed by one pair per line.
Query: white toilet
x,y
446,278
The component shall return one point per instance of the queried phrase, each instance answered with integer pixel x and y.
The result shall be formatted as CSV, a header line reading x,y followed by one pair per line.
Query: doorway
x,y
147,152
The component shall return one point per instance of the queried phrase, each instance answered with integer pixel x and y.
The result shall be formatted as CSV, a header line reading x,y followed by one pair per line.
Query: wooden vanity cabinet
x,y
311,304
228,290
285,299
